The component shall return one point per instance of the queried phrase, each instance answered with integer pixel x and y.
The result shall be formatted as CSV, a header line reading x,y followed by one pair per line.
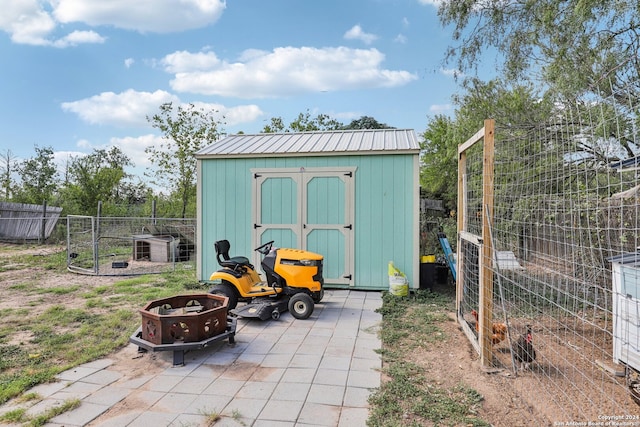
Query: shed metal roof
x,y
633,162
367,141
631,259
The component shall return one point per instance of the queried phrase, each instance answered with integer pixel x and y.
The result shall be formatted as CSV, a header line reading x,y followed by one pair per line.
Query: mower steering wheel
x,y
266,248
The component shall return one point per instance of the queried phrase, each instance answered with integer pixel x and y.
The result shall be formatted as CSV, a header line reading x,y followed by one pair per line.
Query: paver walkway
x,y
314,372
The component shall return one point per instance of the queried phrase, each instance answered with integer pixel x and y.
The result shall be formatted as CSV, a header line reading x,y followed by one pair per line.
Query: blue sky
x,y
84,74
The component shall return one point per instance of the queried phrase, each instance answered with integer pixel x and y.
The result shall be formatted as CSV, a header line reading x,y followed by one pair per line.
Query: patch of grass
x,y
15,382
13,417
237,416
62,337
42,419
60,290
19,312
408,398
211,417
28,397
457,404
54,261
416,317
10,355
97,291
20,287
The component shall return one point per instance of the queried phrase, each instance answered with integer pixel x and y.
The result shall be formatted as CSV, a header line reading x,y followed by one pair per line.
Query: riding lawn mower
x,y
293,282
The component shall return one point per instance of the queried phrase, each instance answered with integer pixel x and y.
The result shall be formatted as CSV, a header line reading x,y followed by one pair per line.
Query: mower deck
x,y
263,308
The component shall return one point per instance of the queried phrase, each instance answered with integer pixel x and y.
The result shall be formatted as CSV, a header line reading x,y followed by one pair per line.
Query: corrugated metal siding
x,y
384,211
315,143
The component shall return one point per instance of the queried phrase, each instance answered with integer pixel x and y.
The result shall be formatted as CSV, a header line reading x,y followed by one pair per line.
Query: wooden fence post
x,y
486,259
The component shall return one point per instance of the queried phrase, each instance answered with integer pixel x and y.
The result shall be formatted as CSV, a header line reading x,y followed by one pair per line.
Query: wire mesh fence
x,y
562,223
111,246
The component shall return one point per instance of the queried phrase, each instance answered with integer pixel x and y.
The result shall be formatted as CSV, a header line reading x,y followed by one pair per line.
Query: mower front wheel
x,y
301,305
226,290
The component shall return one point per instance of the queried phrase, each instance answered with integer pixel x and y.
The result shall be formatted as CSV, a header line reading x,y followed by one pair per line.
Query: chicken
x,y
523,350
498,330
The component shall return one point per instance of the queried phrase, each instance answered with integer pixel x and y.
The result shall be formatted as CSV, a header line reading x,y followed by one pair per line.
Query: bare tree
x,y
8,166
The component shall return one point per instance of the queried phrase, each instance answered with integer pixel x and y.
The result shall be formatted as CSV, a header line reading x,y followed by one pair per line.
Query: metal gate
x,y
81,244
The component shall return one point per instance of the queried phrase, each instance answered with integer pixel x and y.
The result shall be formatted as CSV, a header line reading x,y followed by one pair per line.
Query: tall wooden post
x,y
462,167
486,258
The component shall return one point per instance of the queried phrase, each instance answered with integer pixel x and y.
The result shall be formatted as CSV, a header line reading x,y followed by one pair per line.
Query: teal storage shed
x,y
352,196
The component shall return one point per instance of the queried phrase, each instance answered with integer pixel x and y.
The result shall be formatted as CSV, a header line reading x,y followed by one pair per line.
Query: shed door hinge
x,y
256,226
350,226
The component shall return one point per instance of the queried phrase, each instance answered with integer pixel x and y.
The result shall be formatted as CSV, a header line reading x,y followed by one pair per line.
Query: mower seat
x,y
234,263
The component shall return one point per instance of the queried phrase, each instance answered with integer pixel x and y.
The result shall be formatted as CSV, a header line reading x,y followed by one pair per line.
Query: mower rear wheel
x,y
226,290
301,305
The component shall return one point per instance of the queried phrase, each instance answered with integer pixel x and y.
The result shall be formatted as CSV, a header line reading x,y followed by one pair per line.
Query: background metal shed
x,y
352,196
626,309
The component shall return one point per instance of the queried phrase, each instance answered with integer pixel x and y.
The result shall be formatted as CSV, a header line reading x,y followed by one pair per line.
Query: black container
x,y
427,275
442,274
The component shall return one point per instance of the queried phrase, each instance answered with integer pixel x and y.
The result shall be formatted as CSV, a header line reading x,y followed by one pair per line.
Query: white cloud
x,y
234,115
78,37
26,21
184,61
400,38
35,22
451,72
129,62
62,159
83,143
435,3
405,22
231,116
131,108
440,108
158,16
288,71
134,148
356,33
29,23
346,115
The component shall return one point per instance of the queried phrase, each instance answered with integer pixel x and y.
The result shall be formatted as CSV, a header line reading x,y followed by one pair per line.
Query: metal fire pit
x,y
184,322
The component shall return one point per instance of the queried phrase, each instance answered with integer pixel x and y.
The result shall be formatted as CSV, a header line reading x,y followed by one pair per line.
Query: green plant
x,y
14,416
43,418
212,417
237,416
19,415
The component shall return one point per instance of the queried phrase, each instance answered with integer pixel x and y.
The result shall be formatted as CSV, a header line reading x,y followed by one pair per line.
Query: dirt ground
x,y
508,400
454,362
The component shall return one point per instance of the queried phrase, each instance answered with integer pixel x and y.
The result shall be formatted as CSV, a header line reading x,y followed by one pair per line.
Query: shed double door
x,y
309,209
